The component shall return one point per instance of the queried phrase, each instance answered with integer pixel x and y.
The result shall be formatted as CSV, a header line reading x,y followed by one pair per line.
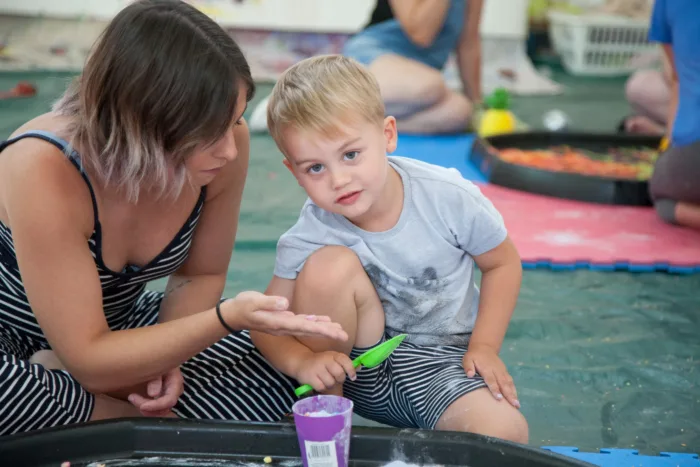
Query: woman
x,y
136,174
406,45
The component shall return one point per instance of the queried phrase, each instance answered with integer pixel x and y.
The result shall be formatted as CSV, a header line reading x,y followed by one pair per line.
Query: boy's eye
x,y
314,169
351,155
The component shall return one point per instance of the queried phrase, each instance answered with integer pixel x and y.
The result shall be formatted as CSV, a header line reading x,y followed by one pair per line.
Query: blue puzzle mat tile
x,y
659,267
627,457
445,150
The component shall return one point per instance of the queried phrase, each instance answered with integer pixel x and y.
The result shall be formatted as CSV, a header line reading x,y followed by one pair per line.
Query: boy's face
x,y
344,174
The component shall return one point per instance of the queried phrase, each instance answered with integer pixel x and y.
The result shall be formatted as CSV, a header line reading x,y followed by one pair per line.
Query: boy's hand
x,y
324,370
485,361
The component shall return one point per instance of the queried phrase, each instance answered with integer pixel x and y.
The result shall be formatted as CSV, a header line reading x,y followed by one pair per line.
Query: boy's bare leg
x,y
334,283
479,412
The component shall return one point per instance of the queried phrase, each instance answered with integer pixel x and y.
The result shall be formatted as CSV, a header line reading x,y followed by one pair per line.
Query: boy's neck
x,y
386,211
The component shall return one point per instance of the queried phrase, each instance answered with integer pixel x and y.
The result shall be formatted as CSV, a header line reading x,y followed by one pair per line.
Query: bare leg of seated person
x,y
419,98
679,213
674,185
479,412
688,215
649,95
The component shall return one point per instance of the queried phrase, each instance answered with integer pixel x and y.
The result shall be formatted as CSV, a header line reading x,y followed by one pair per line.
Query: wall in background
x,y
501,17
57,35
281,15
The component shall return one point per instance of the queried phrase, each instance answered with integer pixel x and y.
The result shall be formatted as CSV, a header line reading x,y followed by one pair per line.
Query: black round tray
x,y
562,184
173,442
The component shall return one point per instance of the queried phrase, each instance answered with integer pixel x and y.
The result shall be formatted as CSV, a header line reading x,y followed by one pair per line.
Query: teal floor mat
x,y
628,458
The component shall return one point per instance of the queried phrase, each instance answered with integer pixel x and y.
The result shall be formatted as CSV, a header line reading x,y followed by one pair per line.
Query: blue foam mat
x,y
627,457
453,151
620,266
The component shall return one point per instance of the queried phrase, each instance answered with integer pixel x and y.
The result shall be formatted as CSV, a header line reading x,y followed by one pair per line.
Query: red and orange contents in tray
x,y
621,163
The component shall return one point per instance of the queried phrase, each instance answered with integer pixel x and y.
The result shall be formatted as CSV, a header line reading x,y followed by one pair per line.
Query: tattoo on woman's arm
x,y
174,288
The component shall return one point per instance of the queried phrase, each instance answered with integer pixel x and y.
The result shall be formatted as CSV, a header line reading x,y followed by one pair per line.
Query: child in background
x,y
387,245
674,185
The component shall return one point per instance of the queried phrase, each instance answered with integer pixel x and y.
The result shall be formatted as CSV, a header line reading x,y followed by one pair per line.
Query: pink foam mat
x,y
552,231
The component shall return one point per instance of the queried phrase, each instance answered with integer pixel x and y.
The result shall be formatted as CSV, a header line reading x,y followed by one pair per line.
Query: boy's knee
x,y
330,267
508,425
514,428
479,412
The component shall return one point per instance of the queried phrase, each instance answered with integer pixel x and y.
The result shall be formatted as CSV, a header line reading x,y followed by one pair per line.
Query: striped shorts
x,y
228,381
413,387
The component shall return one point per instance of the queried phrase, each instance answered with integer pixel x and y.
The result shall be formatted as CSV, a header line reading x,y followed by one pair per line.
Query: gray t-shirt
x,y
422,268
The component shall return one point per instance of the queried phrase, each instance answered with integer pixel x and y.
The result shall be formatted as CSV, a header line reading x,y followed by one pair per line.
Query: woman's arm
x,y
420,20
199,283
469,51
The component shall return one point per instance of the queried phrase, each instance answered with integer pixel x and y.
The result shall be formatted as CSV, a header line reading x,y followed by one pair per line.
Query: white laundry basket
x,y
598,45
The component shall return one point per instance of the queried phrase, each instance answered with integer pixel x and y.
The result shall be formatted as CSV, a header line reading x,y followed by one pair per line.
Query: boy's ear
x,y
390,134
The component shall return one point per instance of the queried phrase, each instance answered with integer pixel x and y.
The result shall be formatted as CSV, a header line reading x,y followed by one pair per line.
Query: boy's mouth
x,y
348,198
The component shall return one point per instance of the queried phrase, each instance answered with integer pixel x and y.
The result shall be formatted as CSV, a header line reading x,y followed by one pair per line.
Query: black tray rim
x,y
58,444
483,155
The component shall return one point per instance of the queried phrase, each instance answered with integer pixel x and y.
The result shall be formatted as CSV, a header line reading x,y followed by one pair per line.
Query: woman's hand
x,y
163,391
269,314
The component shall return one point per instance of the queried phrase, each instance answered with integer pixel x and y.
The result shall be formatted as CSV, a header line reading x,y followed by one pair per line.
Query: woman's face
x,y
207,162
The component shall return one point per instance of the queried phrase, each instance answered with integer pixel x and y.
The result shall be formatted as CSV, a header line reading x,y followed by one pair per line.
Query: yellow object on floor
x,y
497,118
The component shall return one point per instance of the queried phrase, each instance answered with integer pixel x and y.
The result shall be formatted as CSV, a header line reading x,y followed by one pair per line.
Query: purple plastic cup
x,y
323,426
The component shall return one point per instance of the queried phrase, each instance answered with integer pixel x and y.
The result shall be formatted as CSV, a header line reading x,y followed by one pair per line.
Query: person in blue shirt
x,y
406,45
674,185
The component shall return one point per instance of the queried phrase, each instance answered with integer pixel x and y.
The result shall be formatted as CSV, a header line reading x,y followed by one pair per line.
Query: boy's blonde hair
x,y
321,93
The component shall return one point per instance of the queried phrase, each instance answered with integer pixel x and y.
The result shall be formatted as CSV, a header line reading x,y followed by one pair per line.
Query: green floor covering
x,y
600,359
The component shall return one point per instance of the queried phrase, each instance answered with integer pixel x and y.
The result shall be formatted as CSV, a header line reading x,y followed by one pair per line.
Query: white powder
x,y
320,413
404,464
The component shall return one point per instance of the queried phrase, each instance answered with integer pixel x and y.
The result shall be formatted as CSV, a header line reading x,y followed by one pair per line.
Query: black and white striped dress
x,y
228,381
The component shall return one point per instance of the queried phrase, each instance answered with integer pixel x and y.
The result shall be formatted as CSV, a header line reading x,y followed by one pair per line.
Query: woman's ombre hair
x,y
162,80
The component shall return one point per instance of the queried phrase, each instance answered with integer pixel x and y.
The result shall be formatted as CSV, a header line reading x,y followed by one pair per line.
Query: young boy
x,y
387,245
